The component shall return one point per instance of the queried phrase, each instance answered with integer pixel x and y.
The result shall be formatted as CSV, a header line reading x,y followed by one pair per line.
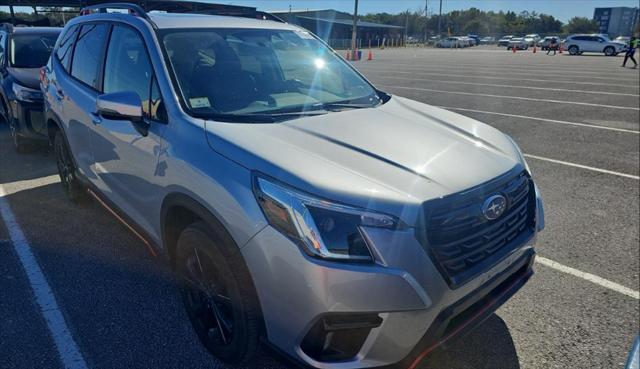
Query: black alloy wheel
x,y
217,295
67,170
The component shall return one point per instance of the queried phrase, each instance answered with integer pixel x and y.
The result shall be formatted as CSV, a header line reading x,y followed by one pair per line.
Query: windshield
x,y
262,72
31,50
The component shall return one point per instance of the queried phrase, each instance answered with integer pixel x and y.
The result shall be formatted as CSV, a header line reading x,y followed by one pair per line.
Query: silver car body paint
x,y
391,159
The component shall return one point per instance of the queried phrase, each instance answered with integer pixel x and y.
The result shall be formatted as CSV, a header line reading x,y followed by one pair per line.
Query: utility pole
x,y
354,34
406,28
426,20
440,20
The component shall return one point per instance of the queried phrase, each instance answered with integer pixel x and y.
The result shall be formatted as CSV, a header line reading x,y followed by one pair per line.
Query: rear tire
x,y
573,50
218,294
67,170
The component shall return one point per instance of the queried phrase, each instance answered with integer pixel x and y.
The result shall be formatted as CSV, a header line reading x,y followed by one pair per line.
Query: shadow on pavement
x,y
489,346
36,163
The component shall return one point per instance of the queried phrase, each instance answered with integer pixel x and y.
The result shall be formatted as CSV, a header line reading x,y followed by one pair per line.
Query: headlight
x,y
321,228
521,158
26,94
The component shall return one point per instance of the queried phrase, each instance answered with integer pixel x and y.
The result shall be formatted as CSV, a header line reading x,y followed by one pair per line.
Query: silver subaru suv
x,y
298,204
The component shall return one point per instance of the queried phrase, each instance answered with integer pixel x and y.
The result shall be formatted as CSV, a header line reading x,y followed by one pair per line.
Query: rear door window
x,y
87,55
65,48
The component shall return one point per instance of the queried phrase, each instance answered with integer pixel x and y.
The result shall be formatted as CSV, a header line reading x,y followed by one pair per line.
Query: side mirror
x,y
120,106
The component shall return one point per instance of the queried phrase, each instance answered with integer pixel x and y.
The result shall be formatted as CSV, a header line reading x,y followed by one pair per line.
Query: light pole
x,y
354,34
440,19
426,20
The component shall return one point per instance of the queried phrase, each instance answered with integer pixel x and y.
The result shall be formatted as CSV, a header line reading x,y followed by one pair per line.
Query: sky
x,y
561,9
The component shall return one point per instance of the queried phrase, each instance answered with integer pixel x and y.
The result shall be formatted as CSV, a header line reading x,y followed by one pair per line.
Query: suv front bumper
x,y
29,119
405,289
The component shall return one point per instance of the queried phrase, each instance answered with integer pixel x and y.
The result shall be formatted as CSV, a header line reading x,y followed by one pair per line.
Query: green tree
x,y
581,25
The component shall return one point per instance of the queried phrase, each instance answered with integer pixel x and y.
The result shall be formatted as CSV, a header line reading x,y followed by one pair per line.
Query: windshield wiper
x,y
259,117
346,105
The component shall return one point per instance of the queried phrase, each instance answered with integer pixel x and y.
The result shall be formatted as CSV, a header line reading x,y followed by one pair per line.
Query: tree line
x,y
476,21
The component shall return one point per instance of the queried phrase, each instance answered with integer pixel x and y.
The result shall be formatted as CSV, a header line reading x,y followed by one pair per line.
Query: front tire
x,y
20,144
609,51
67,170
218,294
573,50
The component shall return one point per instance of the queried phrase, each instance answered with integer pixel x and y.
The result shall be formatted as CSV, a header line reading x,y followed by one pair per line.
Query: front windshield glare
x,y
32,50
260,71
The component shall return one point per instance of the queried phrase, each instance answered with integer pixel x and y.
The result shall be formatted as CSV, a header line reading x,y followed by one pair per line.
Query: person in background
x,y
633,45
553,46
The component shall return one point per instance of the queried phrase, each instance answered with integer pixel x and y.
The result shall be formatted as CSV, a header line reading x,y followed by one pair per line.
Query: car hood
x,y
28,77
399,153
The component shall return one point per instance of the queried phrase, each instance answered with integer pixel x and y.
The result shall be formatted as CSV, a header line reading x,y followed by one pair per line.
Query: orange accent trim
x,y
144,240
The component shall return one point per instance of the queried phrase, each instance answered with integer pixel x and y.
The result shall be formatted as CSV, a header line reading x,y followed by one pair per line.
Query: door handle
x,y
59,93
95,118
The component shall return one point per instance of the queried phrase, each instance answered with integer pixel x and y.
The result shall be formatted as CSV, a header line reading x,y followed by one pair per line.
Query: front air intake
x,y
338,337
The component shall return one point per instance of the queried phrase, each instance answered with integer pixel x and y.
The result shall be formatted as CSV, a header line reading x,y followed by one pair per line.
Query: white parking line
x,y
594,169
555,121
65,345
514,97
522,70
473,76
589,277
510,86
523,66
28,184
520,74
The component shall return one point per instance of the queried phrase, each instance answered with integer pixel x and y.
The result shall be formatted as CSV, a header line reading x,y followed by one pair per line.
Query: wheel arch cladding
x,y
180,210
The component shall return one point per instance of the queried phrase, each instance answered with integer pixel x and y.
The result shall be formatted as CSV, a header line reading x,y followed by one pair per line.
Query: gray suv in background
x,y
297,203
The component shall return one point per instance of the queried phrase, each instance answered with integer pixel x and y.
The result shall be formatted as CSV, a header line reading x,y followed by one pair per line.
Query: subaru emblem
x,y
494,206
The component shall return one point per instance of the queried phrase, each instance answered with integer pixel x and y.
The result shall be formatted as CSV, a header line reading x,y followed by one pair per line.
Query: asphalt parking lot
x,y
576,119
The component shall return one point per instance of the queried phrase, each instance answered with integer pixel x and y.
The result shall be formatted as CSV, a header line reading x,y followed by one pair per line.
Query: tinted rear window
x,y
31,50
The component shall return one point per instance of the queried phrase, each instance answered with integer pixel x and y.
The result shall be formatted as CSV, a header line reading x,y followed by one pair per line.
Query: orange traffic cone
x,y
560,51
348,54
534,49
355,55
370,55
513,49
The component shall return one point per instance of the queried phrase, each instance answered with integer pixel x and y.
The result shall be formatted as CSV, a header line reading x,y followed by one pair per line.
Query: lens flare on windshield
x,y
319,63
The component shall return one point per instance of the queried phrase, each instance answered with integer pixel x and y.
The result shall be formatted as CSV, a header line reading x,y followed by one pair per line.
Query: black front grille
x,y
463,243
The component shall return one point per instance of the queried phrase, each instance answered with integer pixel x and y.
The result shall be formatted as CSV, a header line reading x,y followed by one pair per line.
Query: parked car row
x,y
318,238
457,42
574,44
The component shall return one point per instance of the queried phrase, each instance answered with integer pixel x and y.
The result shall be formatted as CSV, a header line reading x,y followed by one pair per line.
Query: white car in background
x,y
578,44
466,41
517,43
622,39
504,41
487,40
451,42
532,39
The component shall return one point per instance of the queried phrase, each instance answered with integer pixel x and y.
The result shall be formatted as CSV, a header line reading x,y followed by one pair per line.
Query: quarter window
x,y
87,57
65,48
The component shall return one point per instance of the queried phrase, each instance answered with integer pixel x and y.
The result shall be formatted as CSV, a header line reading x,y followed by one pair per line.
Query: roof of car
x,y
170,20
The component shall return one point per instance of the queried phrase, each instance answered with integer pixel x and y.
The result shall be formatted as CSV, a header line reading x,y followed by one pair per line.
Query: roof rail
x,y
142,7
134,9
102,8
